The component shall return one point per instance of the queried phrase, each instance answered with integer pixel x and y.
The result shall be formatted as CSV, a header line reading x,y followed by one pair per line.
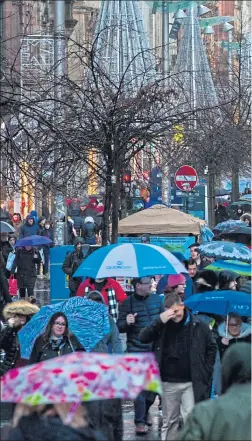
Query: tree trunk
x,y
235,184
115,209
123,201
107,207
211,199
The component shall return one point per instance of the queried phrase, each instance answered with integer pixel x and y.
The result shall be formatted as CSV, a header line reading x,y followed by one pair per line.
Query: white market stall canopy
x,y
160,220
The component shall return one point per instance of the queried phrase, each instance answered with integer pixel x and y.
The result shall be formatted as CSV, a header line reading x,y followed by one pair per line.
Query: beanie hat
x,y
175,280
78,240
208,278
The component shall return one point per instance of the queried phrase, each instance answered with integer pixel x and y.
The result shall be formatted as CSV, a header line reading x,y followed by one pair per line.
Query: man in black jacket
x,y
136,312
72,261
185,351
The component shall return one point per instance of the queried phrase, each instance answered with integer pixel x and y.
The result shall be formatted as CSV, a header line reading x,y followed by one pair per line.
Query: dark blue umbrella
x,y
5,227
227,225
246,231
33,241
221,303
226,250
88,321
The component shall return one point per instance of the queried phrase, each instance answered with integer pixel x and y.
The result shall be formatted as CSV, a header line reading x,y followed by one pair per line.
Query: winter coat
x,y
88,232
4,289
39,428
148,309
72,261
25,262
50,234
245,336
228,417
8,336
112,338
202,352
9,344
6,250
43,351
246,287
106,416
88,285
28,230
41,227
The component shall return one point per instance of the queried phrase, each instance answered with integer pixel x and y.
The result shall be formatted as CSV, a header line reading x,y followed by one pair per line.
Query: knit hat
x,y
208,278
78,239
175,280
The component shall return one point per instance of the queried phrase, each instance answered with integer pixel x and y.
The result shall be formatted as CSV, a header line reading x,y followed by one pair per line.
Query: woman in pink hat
x,y
176,284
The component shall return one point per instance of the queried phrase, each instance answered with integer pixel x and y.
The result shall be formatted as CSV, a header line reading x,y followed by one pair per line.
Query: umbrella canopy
x,y
33,241
6,228
228,225
221,303
241,268
160,220
245,231
129,260
80,377
226,250
87,320
246,197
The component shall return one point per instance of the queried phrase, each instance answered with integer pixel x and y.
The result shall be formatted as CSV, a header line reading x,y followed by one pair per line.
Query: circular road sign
x,y
186,178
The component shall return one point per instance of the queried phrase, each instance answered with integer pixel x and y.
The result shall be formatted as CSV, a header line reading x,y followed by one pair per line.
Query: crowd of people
x,y
196,354
24,263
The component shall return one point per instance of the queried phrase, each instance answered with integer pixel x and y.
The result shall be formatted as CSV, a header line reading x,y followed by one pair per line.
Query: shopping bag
x,y
42,256
10,260
13,287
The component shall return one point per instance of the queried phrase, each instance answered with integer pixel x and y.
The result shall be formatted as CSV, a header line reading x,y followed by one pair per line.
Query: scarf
x,y
57,343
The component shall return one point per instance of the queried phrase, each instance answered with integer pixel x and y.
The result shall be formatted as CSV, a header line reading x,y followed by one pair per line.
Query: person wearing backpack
x,y
72,261
89,230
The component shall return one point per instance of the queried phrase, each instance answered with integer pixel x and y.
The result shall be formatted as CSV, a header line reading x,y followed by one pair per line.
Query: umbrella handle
x,y
227,326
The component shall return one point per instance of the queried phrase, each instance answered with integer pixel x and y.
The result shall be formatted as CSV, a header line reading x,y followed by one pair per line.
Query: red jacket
x,y
111,283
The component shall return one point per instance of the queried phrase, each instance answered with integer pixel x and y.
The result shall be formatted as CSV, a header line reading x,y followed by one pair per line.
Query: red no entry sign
x,y
186,178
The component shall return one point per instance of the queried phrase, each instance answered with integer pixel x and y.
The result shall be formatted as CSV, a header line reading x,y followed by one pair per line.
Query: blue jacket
x,y
28,230
147,309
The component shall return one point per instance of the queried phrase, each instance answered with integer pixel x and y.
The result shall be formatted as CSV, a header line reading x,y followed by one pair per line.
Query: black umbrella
x,y
246,231
6,228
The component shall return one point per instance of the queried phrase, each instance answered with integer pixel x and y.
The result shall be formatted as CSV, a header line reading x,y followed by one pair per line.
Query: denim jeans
x,y
142,406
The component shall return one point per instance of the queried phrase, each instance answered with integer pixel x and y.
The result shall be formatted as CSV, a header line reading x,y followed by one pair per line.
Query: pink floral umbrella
x,y
82,376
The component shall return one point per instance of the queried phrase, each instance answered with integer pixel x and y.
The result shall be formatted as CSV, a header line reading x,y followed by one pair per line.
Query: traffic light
x,y
127,177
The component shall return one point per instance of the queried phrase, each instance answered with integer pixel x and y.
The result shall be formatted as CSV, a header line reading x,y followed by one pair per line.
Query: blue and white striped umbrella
x,y
129,260
227,225
226,250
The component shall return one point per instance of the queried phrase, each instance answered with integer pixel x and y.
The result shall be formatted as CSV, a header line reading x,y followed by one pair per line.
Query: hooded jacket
x,y
28,230
228,417
8,336
244,336
89,285
112,338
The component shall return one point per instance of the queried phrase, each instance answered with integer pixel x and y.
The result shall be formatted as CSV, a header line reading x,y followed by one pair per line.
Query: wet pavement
x,y
42,294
